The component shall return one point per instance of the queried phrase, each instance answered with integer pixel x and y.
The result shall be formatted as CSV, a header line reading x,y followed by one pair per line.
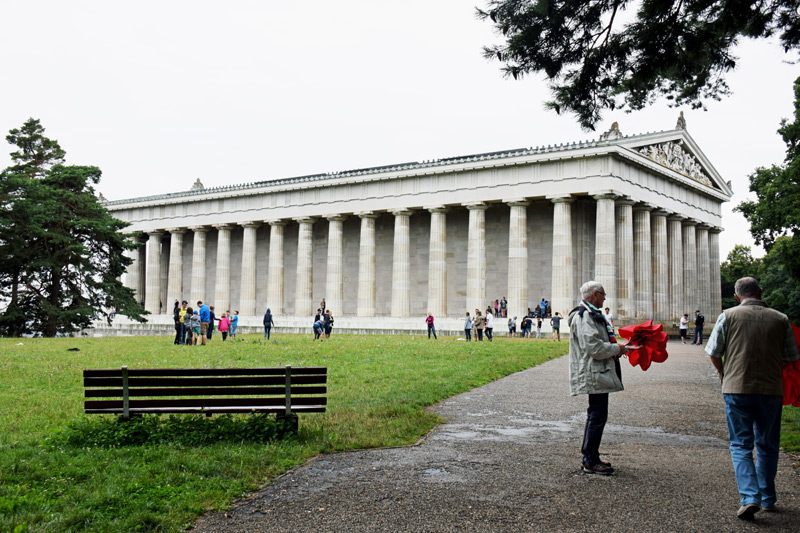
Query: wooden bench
x,y
284,391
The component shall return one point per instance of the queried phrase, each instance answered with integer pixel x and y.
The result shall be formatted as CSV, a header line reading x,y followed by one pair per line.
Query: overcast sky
x,y
158,94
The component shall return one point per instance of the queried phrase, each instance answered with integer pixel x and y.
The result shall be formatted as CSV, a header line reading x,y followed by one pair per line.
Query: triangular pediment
x,y
677,151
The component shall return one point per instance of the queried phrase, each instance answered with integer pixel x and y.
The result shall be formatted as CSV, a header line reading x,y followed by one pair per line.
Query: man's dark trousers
x,y
698,335
596,417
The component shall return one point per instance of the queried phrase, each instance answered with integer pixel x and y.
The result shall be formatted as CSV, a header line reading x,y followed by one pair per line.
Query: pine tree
x,y
62,251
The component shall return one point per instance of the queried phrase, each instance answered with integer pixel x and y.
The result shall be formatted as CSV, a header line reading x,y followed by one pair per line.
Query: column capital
x,y
643,206
305,220
225,226
437,209
624,201
199,229
517,202
336,218
368,214
277,222
659,213
156,233
177,231
251,224
476,206
605,195
561,199
676,216
716,229
691,222
402,212
704,226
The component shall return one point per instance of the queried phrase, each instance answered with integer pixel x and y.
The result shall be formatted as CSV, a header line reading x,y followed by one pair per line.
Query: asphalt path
x,y
508,459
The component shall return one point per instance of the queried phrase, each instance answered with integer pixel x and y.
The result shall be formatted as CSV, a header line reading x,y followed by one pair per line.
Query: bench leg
x,y
287,424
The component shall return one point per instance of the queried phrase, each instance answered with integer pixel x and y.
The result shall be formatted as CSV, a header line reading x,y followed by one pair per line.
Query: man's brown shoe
x,y
599,468
746,512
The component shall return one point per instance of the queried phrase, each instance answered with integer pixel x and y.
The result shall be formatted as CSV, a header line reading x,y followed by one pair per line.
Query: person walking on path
x,y
555,323
594,369
431,328
749,346
699,322
468,327
268,323
684,327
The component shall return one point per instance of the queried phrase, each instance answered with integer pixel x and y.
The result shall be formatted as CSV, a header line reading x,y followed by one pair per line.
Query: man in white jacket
x,y
594,369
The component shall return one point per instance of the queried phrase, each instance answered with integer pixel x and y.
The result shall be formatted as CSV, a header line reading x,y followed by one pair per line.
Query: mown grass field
x,y
379,387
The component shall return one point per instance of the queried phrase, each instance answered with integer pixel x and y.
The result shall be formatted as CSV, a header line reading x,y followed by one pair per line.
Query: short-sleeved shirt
x,y
556,321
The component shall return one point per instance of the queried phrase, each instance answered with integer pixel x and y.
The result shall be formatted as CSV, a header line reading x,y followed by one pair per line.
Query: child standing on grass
x,y
224,326
234,325
194,323
187,326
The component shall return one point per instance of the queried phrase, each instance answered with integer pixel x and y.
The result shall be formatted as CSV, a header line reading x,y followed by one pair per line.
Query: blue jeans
x,y
431,329
754,419
698,335
468,333
596,418
266,331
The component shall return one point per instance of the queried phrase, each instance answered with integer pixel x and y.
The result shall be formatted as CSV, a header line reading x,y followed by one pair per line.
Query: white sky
x,y
158,94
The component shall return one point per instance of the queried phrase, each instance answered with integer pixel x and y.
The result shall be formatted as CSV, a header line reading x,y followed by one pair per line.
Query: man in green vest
x,y
749,346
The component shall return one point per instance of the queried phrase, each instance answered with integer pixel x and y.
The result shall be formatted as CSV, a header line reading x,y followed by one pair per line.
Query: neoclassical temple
x,y
386,245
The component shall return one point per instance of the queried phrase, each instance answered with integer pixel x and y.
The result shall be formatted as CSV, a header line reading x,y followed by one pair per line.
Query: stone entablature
x,y
402,240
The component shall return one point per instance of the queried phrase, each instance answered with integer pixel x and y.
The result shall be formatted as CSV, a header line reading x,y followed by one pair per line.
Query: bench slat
x,y
204,381
210,402
266,371
189,410
204,391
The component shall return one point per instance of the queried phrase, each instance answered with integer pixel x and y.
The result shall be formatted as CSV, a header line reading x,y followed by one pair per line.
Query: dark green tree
x,y
61,250
680,49
781,291
776,213
739,264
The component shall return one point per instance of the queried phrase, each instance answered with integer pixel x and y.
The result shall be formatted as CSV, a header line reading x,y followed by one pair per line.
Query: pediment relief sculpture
x,y
673,156
197,185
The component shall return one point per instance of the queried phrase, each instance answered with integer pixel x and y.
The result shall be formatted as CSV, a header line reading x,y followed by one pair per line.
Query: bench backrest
x,y
180,390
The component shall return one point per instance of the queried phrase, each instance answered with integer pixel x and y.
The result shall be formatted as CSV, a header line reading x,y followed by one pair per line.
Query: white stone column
x,y
222,280
703,271
605,252
716,287
198,265
675,250
563,291
141,287
691,301
437,263
643,263
133,275
152,302
275,272
303,305
658,220
517,259
476,257
175,276
247,291
334,280
401,265
625,310
166,305
366,266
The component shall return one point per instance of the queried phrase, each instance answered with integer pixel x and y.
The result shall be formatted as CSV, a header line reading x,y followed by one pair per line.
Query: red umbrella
x,y
652,341
791,377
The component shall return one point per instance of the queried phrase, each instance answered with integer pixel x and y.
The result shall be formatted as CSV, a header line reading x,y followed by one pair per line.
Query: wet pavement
x,y
508,459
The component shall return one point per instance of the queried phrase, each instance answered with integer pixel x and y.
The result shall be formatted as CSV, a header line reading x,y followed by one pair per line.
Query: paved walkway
x,y
508,459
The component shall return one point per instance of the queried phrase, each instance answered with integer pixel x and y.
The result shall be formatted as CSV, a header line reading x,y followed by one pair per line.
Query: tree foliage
x,y
780,290
776,213
680,49
61,251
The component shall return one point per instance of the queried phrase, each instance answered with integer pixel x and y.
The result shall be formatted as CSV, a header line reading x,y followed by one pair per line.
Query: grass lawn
x,y
378,389
790,429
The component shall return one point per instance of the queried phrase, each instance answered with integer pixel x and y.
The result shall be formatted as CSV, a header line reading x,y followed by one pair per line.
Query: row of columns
x,y
653,264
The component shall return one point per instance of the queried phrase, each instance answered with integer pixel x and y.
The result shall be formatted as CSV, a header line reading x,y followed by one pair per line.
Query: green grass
x,y
379,387
790,429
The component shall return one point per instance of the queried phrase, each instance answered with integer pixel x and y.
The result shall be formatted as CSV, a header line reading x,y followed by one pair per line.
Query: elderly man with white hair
x,y
594,370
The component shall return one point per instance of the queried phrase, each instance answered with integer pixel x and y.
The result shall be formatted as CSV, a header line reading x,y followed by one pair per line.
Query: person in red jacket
x,y
431,328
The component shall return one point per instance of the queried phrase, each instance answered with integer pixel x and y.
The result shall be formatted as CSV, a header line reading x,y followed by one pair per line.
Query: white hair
x,y
589,287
